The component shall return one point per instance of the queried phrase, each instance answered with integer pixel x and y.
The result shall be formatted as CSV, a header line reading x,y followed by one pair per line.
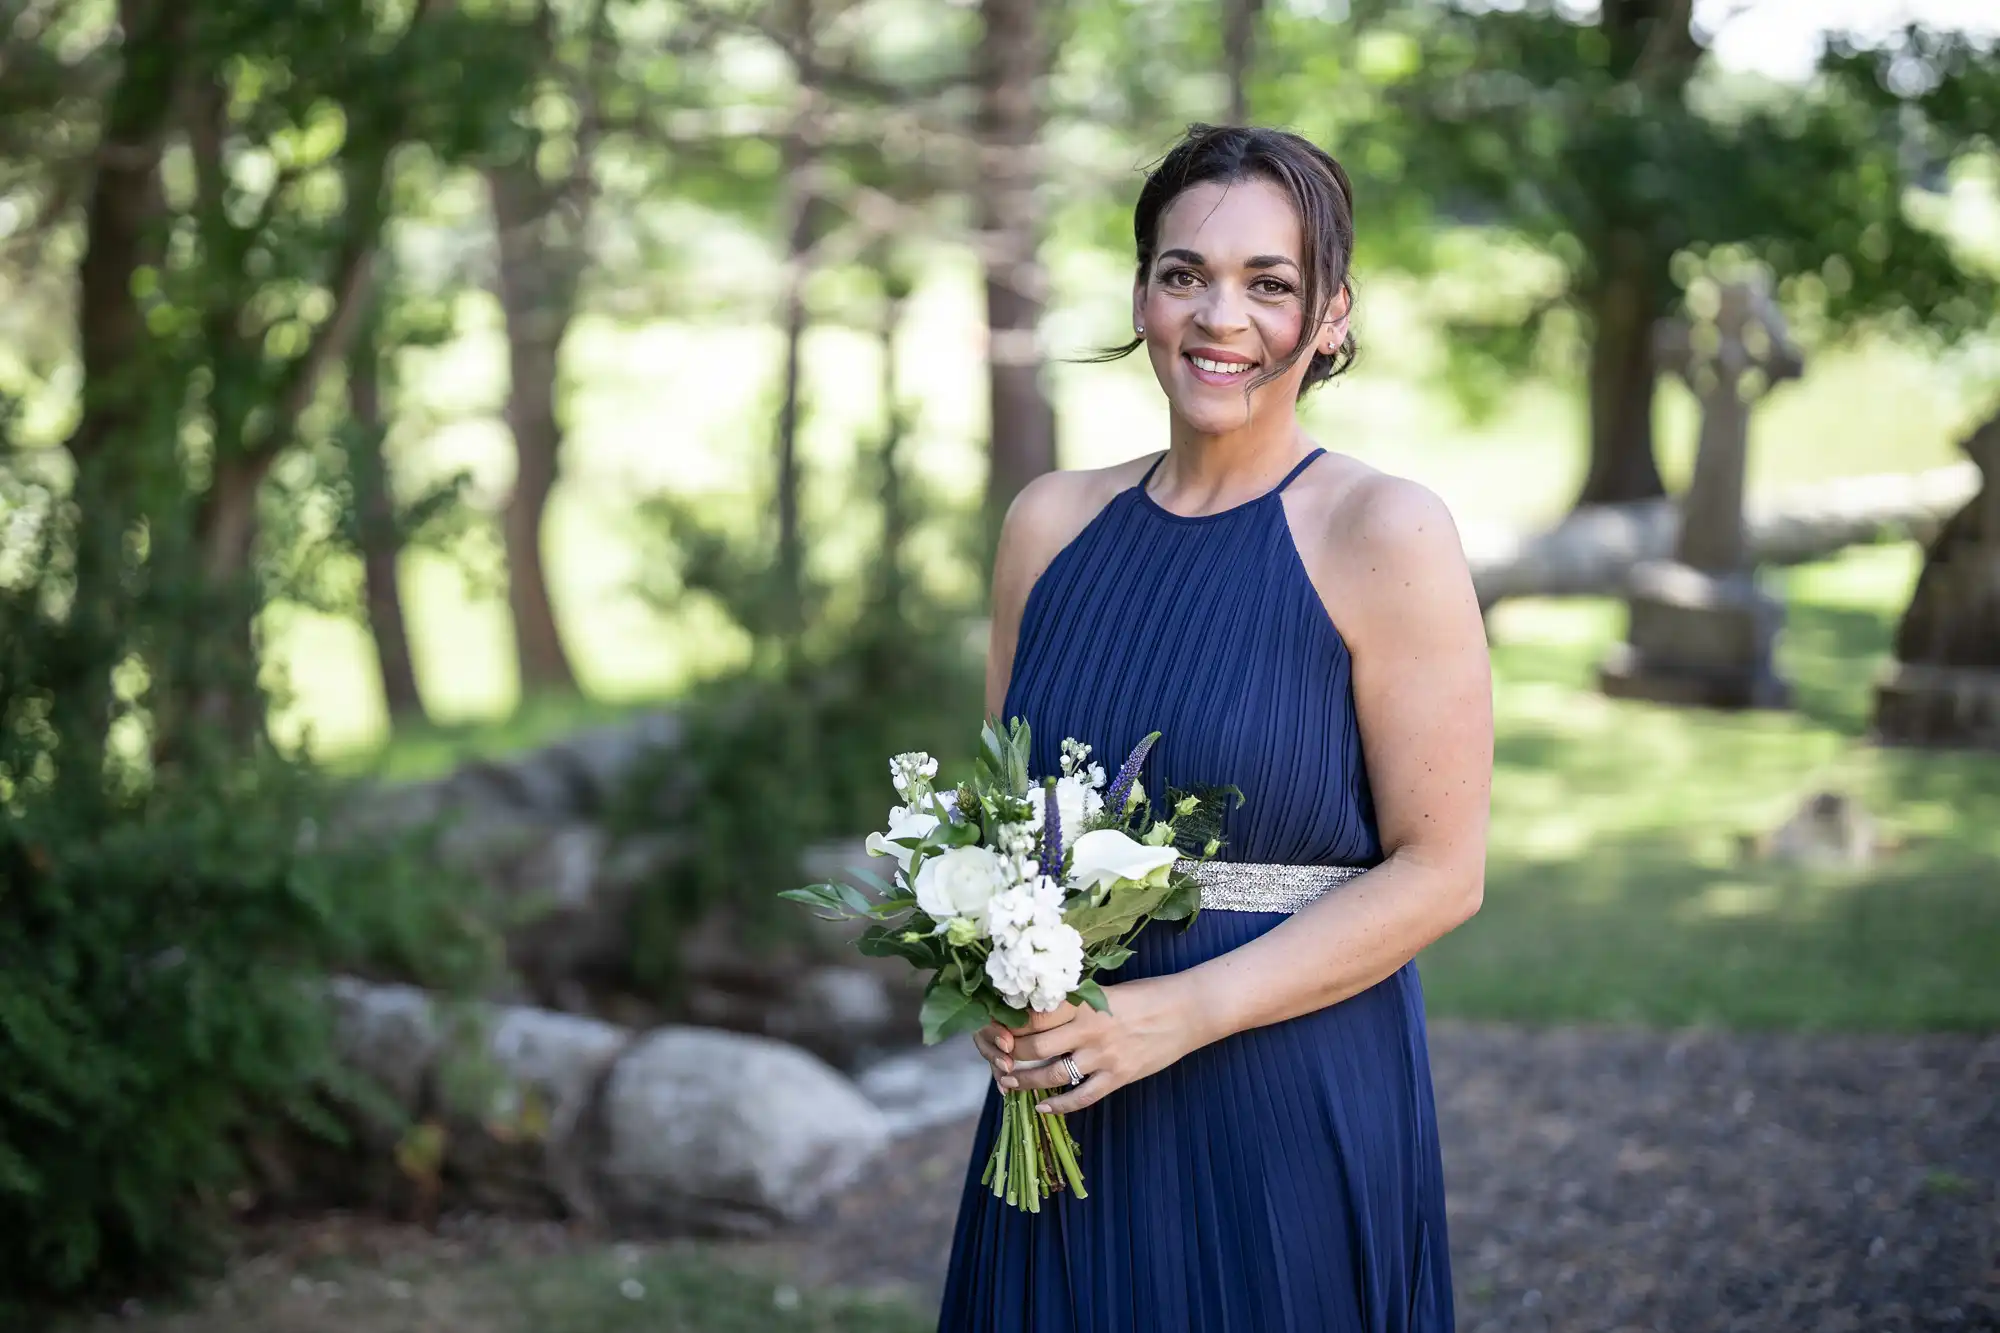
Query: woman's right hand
x,y
996,1044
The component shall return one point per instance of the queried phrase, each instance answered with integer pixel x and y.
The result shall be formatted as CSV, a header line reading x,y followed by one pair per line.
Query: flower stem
x,y
1064,1151
996,1165
1032,1185
1033,1155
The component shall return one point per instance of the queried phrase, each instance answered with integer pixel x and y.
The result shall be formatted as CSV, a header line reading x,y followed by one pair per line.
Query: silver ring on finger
x,y
1069,1067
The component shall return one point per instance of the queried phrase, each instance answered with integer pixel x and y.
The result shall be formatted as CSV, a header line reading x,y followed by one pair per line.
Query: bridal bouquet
x,y
1016,892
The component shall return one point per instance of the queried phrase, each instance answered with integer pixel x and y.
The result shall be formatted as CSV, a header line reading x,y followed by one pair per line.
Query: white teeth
x,y
1220,367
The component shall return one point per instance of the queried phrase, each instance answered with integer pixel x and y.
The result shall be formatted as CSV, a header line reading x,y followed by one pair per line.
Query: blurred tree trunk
x,y
1239,42
895,425
380,537
800,203
1651,43
1013,60
537,296
1625,302
543,241
121,220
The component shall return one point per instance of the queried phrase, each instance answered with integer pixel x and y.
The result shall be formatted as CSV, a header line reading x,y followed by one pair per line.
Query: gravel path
x,y
1617,1181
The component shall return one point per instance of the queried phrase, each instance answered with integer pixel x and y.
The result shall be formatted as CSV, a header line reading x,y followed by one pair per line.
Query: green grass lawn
x,y
1616,891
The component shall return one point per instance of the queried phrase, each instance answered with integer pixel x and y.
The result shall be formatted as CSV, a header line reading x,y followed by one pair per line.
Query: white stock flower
x,y
960,883
1015,910
1041,967
1106,856
903,823
912,772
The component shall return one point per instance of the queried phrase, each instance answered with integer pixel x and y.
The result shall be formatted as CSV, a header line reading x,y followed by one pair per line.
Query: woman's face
x,y
1223,303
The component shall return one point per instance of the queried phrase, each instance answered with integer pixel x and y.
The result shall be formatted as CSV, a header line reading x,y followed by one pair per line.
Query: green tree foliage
x,y
171,893
1610,144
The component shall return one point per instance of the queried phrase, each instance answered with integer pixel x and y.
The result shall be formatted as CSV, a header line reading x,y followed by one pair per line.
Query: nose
x,y
1225,311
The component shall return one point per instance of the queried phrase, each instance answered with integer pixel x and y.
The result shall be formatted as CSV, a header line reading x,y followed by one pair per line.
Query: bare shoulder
x,y
1383,550
1049,513
1393,523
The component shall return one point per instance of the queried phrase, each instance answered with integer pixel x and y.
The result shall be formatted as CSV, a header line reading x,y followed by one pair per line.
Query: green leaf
x,y
1092,994
1110,958
826,897
949,1011
947,836
887,941
1113,919
874,881
854,898
1182,902
970,978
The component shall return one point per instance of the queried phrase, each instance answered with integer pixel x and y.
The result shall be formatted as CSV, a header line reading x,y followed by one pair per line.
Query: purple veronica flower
x,y
1052,837
1121,786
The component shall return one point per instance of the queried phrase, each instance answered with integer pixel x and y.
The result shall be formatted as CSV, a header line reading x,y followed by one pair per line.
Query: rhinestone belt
x,y
1247,886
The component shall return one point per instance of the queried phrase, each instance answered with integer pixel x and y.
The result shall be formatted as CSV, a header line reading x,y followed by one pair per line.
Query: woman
x,y
1255,1112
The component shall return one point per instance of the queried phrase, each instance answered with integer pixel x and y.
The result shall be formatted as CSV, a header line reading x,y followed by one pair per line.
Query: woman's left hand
x,y
1146,1029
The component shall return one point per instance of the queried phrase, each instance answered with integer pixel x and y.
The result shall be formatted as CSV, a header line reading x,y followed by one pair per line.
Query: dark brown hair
x,y
1319,191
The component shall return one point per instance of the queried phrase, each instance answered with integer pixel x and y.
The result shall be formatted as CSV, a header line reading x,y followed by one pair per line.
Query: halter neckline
x,y
1146,496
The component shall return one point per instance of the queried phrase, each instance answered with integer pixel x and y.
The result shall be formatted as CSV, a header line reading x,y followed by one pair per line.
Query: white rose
x,y
903,823
960,883
1109,855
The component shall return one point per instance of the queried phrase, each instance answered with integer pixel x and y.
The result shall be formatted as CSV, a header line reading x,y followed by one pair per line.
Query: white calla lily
x,y
904,822
1109,855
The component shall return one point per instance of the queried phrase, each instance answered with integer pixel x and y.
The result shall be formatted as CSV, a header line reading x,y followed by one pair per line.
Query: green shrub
x,y
159,999
778,757
169,905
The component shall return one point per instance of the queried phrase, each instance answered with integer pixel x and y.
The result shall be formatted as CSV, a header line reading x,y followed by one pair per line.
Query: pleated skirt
x,y
1283,1180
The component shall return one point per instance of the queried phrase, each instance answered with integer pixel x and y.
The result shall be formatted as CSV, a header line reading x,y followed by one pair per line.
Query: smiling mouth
x,y
1218,372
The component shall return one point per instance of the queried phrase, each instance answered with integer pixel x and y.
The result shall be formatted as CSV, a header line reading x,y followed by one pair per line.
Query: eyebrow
x,y
1254,261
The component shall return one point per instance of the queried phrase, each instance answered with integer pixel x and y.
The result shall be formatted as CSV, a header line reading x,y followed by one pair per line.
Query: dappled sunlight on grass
x,y
1619,887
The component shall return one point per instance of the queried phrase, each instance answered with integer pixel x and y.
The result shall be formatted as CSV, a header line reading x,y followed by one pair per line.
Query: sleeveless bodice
x,y
1208,630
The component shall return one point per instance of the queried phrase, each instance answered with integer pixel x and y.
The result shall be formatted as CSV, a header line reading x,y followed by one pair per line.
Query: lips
x,y
1210,366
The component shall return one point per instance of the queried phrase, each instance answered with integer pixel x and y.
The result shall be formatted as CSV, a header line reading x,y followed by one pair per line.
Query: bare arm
x,y
1423,693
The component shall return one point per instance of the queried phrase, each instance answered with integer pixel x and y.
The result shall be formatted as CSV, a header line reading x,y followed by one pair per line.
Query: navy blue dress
x,y
1286,1179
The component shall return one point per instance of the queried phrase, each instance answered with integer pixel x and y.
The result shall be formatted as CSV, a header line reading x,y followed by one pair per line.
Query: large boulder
x,y
678,1129
722,1132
